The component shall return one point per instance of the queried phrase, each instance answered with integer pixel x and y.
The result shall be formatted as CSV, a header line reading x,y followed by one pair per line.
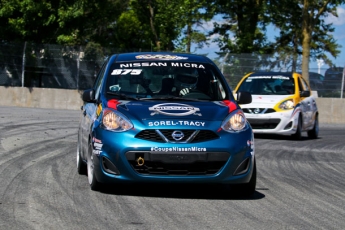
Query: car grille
x,y
258,110
263,123
190,163
165,135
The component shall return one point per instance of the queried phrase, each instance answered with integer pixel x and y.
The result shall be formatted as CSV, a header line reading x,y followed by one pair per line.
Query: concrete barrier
x,y
40,98
331,110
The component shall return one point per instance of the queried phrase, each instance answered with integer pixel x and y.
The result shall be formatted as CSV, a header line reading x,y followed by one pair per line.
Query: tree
x,y
29,20
162,17
242,32
313,12
244,26
130,32
193,14
311,40
71,22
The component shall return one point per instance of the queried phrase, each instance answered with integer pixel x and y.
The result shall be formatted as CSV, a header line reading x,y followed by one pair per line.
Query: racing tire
x,y
298,134
247,189
314,133
81,166
94,184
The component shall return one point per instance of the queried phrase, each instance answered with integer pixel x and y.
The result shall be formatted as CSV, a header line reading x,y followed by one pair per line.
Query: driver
x,y
185,82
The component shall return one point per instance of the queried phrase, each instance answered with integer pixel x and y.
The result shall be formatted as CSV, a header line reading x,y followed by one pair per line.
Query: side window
x,y
99,80
303,84
222,91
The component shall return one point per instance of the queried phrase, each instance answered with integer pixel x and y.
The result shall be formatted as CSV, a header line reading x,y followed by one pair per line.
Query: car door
x,y
89,112
307,103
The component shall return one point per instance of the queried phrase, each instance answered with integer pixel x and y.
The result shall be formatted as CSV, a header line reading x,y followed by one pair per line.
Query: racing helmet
x,y
186,80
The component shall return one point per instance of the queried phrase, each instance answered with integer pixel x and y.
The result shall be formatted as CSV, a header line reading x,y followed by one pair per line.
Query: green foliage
x,y
93,52
290,41
243,27
176,25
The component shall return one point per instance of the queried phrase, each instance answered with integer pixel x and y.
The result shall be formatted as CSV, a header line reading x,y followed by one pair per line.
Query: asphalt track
x,y
300,184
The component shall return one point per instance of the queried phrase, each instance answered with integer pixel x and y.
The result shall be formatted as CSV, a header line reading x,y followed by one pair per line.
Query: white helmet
x,y
186,80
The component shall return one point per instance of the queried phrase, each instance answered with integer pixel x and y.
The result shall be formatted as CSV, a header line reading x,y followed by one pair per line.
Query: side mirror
x,y
88,95
244,97
304,93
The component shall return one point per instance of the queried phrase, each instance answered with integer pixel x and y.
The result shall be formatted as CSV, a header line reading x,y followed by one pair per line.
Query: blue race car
x,y
164,118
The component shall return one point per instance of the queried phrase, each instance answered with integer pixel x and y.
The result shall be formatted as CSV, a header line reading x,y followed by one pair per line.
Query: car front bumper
x,y
274,123
123,158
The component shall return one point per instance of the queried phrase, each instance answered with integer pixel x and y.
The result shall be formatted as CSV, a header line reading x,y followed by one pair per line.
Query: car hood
x,y
156,110
265,101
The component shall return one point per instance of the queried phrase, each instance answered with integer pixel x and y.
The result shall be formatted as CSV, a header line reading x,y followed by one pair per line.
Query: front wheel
x,y
81,166
94,184
247,189
298,134
314,133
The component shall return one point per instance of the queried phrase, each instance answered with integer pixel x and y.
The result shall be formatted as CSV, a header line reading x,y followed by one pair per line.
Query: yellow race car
x,y
282,103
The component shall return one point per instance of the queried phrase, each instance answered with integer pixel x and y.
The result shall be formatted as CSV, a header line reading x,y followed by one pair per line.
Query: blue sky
x,y
338,34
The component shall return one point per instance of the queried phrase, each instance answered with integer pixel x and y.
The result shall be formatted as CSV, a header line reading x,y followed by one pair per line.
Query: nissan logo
x,y
257,110
174,109
177,135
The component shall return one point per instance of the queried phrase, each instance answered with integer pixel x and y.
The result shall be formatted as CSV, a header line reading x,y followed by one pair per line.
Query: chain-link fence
x,y
51,66
75,67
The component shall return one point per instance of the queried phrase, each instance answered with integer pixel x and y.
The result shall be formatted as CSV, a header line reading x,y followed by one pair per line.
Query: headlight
x,y
288,104
236,121
115,121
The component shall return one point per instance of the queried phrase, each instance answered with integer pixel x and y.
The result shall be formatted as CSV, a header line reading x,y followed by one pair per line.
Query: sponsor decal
x,y
250,143
174,109
99,110
179,157
143,64
96,152
175,123
126,71
178,149
296,110
115,88
268,77
155,64
188,65
97,145
160,57
95,140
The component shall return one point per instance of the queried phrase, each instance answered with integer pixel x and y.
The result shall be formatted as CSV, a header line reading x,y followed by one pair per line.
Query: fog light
x,y
109,167
243,167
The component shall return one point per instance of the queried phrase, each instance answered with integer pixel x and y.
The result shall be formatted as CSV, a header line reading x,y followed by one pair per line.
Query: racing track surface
x,y
300,184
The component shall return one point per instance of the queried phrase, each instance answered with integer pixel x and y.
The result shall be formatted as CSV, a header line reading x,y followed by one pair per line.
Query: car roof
x,y
288,74
160,56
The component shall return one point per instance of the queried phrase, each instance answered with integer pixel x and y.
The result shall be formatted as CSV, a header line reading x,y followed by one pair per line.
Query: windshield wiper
x,y
123,96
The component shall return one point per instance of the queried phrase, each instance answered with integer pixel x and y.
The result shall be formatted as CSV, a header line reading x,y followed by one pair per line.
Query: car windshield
x,y
268,85
165,79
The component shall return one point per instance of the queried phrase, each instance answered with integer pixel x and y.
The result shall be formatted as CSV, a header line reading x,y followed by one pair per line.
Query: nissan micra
x,y
282,104
164,118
